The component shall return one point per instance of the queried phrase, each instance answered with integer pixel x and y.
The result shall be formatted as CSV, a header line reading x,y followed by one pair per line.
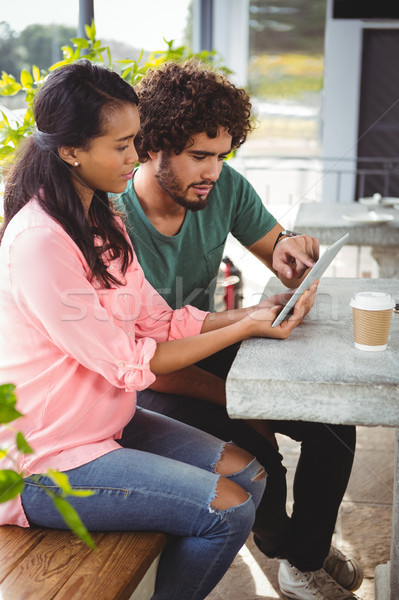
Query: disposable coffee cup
x,y
372,314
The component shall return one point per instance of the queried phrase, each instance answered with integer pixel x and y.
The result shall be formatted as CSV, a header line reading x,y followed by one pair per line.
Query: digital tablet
x,y
314,274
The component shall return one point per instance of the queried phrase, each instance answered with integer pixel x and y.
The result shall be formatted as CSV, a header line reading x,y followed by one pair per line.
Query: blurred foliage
x,y
285,76
36,44
29,81
12,480
11,53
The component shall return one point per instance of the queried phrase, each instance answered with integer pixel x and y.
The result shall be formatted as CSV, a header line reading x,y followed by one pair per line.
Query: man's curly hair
x,y
180,100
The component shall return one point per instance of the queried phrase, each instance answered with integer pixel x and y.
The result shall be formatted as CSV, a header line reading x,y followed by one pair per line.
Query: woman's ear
x,y
68,154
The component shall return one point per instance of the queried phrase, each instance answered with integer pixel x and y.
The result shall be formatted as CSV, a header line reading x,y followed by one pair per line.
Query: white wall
x,y
229,36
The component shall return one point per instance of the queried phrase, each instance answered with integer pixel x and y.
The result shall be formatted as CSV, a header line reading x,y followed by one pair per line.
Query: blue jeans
x,y
162,479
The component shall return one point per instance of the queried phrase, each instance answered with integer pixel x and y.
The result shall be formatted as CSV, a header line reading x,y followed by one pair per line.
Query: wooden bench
x,y
49,564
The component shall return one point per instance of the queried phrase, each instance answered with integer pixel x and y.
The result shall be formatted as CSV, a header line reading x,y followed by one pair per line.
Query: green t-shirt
x,y
183,267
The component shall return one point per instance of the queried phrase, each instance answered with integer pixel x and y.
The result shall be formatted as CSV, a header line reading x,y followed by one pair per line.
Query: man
x,y
180,206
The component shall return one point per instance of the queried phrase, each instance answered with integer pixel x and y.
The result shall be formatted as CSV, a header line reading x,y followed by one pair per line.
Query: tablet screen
x,y
314,274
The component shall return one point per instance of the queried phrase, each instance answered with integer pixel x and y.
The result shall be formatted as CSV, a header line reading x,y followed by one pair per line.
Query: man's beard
x,y
171,184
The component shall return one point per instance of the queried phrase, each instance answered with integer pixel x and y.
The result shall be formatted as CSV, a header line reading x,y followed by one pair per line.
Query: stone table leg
x,y
387,258
387,576
394,579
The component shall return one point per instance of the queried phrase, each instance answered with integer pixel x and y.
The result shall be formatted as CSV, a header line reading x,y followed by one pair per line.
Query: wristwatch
x,y
285,233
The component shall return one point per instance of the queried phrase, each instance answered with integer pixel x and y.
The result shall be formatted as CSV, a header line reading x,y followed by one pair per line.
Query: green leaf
x,y
61,479
8,401
5,119
36,73
8,414
125,61
7,78
26,78
11,484
10,89
90,31
56,65
73,520
80,42
7,393
67,53
22,444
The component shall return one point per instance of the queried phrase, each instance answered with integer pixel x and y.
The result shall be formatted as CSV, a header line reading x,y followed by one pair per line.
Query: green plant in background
x,y
12,482
11,133
133,73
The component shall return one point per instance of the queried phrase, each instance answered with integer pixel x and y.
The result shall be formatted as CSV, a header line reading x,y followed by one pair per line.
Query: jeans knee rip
x,y
254,470
220,512
219,455
260,475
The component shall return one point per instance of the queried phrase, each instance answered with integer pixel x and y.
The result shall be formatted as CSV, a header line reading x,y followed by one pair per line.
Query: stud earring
x,y
76,164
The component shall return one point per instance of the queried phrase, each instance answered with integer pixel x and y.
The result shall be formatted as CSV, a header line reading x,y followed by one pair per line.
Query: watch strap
x,y
285,233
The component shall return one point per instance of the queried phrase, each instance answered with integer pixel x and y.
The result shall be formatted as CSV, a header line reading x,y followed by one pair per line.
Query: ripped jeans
x,y
163,479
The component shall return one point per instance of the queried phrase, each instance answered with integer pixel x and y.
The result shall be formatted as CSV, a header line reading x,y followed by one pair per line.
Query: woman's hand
x,y
275,300
260,321
216,335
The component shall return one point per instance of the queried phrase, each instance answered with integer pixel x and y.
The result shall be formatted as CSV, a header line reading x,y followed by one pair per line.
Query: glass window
x,y
285,71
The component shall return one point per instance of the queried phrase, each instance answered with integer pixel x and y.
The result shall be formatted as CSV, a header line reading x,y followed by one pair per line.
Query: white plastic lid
x,y
372,301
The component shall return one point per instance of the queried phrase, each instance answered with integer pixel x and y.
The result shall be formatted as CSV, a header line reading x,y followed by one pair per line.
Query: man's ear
x,y
153,155
68,154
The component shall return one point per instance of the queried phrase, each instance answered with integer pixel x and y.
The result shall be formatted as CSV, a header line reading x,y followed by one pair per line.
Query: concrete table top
x,y
317,374
325,221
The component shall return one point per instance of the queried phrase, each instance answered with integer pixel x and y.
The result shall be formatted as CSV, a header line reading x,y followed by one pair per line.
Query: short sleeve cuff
x,y
186,321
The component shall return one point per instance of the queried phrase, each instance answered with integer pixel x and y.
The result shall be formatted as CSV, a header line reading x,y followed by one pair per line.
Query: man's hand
x,y
293,256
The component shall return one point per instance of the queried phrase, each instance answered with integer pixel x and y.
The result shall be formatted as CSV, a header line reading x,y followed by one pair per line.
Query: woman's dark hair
x,y
180,100
71,108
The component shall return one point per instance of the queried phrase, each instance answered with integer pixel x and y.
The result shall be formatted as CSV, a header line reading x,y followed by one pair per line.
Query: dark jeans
x,y
321,476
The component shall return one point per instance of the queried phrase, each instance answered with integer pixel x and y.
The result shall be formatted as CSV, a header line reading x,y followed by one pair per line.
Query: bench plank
x,y
41,572
46,564
122,560
15,542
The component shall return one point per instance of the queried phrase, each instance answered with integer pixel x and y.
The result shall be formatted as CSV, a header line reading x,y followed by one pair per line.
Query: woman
x,y
81,331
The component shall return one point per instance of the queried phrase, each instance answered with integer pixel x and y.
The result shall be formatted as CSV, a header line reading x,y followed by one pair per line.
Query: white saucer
x,y
369,218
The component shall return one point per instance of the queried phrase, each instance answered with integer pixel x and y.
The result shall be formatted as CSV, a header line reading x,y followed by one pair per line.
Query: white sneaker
x,y
345,570
310,585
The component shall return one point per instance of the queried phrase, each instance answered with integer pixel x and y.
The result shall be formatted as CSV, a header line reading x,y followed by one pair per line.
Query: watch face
x,y
289,233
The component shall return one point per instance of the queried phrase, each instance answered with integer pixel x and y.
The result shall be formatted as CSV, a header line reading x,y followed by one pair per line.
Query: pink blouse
x,y
77,352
